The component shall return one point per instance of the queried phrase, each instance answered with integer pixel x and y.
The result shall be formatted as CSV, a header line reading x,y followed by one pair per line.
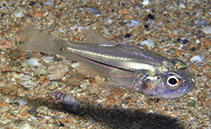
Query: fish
x,y
134,67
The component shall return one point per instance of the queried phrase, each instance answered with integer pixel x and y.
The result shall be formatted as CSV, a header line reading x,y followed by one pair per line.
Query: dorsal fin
x,y
94,37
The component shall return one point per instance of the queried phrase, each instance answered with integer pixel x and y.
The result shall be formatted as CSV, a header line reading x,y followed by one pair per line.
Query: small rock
x,y
75,80
57,71
26,82
5,44
18,14
197,59
14,54
206,30
68,102
177,52
53,86
183,40
15,63
191,103
207,67
57,58
148,43
24,125
134,23
110,20
145,2
94,11
47,59
32,3
4,109
127,35
207,42
38,14
151,17
21,101
200,34
41,71
33,62
201,23
71,104
49,2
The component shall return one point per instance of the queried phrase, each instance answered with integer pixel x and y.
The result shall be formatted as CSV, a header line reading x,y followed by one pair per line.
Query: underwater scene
x,y
105,64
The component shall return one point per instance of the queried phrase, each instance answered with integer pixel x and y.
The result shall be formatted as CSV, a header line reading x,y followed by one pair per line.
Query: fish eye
x,y
173,81
61,49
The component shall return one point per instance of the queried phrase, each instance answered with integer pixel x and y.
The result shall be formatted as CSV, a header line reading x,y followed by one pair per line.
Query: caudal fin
x,y
35,40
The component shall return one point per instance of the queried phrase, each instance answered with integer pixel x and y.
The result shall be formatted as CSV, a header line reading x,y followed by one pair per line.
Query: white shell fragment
x,y
33,62
134,23
26,82
197,59
49,2
18,14
57,71
47,59
21,101
206,30
145,2
148,43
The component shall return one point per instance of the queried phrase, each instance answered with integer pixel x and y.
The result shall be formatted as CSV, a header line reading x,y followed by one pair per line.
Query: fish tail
x,y
35,40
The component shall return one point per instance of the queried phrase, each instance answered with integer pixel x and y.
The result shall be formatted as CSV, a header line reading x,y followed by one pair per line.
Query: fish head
x,y
167,85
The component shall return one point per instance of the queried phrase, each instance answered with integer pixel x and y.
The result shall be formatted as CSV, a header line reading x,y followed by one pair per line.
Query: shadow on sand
x,y
114,118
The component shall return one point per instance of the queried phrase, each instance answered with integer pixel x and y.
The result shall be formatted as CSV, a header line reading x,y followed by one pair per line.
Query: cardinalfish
x,y
133,67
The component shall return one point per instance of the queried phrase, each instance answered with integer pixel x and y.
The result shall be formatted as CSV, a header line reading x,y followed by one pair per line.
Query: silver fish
x,y
129,66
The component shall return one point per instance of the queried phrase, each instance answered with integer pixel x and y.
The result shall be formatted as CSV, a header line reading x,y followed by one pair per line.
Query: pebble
x,y
49,2
201,23
21,101
71,104
94,11
207,42
197,59
53,86
206,30
110,20
150,44
38,14
200,34
32,3
207,67
33,62
183,40
24,125
146,2
41,70
134,23
5,44
18,14
4,109
14,54
75,80
26,82
77,27
57,71
48,59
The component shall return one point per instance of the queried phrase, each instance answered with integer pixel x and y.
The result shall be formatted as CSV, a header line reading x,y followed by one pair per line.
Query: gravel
x,y
175,29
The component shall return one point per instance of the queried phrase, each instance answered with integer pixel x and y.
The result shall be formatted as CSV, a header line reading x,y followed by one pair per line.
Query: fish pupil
x,y
172,81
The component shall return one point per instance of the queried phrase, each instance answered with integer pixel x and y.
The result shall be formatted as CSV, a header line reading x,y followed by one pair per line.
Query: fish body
x,y
129,66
